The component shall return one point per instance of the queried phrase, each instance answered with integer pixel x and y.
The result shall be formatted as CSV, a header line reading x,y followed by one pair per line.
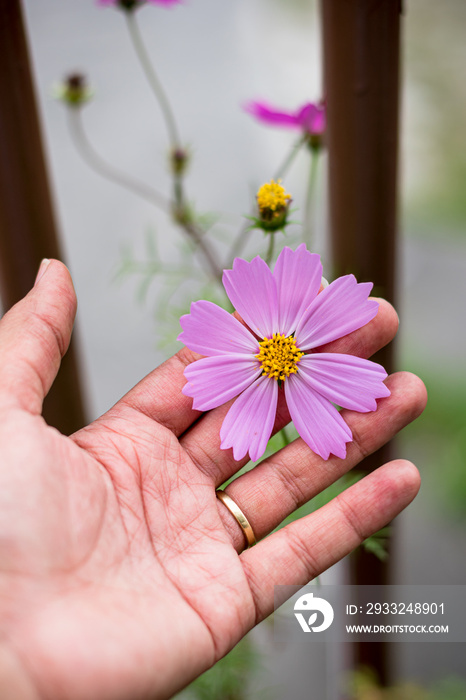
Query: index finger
x,y
159,395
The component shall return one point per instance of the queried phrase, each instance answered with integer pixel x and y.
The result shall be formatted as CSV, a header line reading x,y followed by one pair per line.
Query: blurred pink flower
x,y
310,118
131,4
287,321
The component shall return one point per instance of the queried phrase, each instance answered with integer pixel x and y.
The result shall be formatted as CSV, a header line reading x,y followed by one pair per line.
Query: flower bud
x,y
74,90
125,5
179,160
273,204
130,5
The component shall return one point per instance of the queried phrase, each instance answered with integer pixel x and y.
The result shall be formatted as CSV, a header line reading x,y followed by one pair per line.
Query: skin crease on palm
x,y
121,574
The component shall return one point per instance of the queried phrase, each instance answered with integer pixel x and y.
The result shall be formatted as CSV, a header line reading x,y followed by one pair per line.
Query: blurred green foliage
x,y
228,679
434,162
363,685
438,441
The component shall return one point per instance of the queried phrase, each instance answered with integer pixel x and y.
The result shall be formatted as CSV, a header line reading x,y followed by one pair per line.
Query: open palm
x,y
121,574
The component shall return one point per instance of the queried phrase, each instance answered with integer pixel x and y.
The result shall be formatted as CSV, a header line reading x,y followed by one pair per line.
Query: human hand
x,y
121,573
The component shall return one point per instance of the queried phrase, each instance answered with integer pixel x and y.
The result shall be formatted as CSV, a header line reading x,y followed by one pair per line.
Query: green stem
x,y
178,191
307,223
196,235
92,158
269,256
282,170
194,232
285,437
153,79
188,226
181,216
238,243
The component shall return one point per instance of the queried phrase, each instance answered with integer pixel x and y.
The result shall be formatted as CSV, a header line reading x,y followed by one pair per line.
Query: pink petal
x,y
320,122
306,114
249,423
167,3
268,115
312,118
348,381
213,381
210,330
316,420
339,309
298,275
252,290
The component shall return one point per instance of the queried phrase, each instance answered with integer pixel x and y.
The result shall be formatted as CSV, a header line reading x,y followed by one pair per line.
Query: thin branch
x,y
180,207
238,243
184,219
307,224
197,238
92,158
284,167
153,79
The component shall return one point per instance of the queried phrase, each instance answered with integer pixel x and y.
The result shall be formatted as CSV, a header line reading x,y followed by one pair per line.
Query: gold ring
x,y
239,516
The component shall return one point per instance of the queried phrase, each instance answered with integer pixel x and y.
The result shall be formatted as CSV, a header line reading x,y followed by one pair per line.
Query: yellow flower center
x,y
279,356
272,196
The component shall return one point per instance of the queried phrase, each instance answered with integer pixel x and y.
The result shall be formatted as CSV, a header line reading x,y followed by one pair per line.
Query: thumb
x,y
34,336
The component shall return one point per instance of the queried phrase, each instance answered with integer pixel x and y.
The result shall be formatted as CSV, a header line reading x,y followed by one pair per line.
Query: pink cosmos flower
x,y
287,321
310,118
132,3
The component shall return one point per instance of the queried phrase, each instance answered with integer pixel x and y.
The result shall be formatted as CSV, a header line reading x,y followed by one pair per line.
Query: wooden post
x,y
361,87
27,224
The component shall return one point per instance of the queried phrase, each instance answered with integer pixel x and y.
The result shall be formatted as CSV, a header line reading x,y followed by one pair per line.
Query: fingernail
x,y
42,268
